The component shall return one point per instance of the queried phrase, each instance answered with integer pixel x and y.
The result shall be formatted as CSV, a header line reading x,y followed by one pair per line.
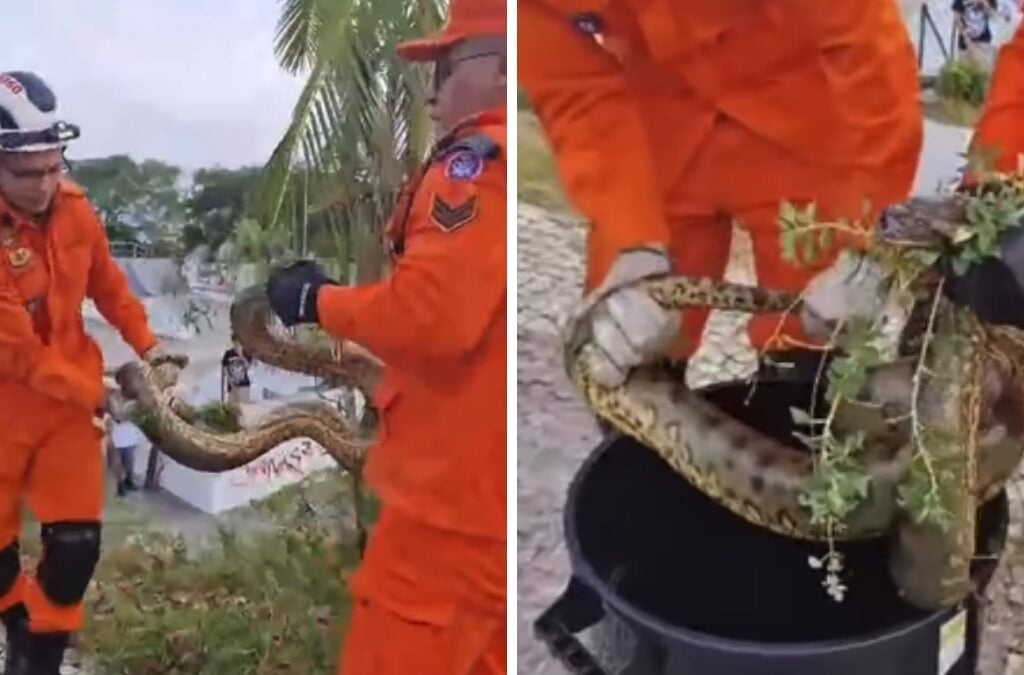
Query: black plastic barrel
x,y
688,588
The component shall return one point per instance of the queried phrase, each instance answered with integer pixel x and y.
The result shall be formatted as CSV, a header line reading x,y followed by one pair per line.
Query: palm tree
x,y
359,127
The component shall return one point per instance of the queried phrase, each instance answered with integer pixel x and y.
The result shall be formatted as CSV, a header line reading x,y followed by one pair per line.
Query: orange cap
x,y
467,18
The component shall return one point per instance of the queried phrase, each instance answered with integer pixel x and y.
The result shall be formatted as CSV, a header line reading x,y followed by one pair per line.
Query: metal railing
x,y
130,249
931,32
925,22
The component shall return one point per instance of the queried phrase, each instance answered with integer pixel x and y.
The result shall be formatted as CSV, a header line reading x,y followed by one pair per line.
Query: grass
x,y
960,90
952,111
539,183
260,600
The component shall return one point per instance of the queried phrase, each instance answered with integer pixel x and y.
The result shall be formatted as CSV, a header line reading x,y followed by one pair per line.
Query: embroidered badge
x,y
20,257
464,165
450,218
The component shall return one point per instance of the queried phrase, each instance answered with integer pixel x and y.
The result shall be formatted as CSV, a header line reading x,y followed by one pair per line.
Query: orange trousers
x,y
737,176
50,455
427,601
381,642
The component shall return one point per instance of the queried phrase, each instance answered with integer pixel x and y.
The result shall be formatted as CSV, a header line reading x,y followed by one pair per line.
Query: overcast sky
x,y
191,82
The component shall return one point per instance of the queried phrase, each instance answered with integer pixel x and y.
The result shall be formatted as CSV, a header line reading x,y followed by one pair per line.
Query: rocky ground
x,y
555,433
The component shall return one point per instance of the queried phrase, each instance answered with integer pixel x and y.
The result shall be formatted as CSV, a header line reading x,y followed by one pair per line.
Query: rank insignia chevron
x,y
450,218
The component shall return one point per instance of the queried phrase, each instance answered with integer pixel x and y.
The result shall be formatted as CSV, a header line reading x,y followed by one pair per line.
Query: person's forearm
x,y
109,289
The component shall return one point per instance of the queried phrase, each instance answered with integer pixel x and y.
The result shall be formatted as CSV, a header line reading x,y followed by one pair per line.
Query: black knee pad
x,y
71,550
10,566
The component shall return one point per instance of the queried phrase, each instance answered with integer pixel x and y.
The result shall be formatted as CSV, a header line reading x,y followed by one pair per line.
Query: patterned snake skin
x,y
319,421
761,479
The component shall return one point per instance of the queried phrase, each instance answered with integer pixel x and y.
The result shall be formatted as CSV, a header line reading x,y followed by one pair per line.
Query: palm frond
x,y
295,42
360,126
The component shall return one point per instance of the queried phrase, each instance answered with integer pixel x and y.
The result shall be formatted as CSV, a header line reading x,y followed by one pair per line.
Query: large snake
x,y
762,480
203,450
758,478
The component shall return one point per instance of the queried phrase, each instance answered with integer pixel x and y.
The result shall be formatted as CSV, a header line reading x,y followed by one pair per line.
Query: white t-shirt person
x,y
124,435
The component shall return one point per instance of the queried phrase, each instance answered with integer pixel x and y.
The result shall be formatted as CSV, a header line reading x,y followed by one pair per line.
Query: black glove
x,y
993,288
293,291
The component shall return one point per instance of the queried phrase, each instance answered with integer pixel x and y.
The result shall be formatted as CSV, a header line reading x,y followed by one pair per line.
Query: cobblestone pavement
x,y
555,432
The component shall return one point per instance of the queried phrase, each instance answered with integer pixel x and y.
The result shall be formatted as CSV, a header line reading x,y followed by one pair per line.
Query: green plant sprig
x,y
840,481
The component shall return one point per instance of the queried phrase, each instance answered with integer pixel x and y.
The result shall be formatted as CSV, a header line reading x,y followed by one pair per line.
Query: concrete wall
x,y
153,276
163,290
215,493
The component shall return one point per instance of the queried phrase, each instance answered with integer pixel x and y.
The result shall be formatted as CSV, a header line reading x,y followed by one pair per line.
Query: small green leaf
x,y
787,213
787,243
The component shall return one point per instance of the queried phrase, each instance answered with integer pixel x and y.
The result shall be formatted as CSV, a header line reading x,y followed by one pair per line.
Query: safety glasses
x,y
445,64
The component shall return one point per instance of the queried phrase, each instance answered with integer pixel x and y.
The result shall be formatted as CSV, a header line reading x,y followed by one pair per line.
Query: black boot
x,y
15,622
42,654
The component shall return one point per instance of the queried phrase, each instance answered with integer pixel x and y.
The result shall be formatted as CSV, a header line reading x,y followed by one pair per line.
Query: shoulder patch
x,y
464,165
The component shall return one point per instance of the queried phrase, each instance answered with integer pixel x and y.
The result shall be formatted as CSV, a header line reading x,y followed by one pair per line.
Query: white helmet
x,y
28,115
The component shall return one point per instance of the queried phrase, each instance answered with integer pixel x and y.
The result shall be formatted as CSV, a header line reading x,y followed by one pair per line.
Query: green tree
x,y
217,201
359,127
255,244
135,200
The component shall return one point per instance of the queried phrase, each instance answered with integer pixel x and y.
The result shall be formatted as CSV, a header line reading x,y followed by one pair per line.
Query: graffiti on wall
x,y
293,463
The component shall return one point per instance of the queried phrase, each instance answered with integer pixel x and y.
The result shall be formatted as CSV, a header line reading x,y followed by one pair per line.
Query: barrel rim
x,y
584,571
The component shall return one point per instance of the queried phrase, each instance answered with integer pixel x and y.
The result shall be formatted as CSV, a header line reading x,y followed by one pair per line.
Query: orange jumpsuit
x,y
670,120
1000,130
50,388
431,590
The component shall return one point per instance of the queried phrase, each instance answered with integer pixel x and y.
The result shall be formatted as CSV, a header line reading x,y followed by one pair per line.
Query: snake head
x,y
923,222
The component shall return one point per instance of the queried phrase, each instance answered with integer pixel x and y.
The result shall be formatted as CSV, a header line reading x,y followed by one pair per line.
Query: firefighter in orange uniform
x,y
672,120
994,288
999,133
53,254
430,594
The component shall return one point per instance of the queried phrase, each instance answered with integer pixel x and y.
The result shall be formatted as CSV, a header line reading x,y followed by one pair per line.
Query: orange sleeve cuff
x,y
334,306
